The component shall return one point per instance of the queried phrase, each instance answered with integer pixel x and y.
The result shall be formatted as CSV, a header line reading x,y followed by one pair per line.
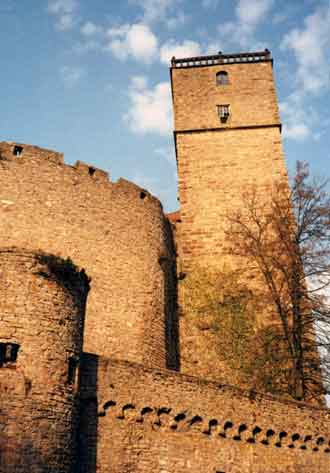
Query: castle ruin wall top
x,y
117,232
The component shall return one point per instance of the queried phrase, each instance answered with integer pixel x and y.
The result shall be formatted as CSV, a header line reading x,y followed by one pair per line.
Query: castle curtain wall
x,y
163,422
115,231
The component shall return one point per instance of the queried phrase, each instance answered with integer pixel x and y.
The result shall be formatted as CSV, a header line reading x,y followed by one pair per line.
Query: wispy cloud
x,y
296,126
135,40
310,46
89,29
150,108
70,75
167,12
178,20
65,13
167,153
155,10
249,15
171,48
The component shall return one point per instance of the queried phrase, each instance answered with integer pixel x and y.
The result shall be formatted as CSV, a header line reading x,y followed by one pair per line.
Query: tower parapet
x,y
220,58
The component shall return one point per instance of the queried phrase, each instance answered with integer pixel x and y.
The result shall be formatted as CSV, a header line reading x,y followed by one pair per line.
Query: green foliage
x,y
221,304
218,303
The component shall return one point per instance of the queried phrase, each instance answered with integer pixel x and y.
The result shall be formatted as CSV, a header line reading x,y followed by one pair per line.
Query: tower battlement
x,y
220,58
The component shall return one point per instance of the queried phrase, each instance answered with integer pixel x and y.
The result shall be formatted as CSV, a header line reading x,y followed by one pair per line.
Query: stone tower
x,y
227,137
228,141
42,309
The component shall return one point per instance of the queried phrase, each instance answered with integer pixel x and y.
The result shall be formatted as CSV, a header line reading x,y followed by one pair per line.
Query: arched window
x,y
222,78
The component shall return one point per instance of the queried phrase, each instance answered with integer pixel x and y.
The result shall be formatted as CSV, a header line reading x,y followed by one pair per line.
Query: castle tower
x,y
228,140
42,308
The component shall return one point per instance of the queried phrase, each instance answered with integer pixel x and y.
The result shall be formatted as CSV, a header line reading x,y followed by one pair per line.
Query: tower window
x,y
18,150
222,78
73,371
223,112
8,353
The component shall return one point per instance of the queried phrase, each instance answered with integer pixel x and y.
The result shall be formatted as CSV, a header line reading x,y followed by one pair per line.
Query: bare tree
x,y
286,241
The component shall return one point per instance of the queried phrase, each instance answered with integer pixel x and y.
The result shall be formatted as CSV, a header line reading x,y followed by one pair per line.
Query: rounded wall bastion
x,y
117,231
42,307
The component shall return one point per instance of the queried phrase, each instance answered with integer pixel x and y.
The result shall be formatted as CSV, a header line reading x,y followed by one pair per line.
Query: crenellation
x,y
93,172
10,150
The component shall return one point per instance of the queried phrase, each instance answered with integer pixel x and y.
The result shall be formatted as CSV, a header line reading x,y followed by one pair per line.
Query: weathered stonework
x,y
220,162
115,231
42,307
147,420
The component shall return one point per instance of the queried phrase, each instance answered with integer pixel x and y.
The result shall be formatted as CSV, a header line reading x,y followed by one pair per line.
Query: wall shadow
x,y
172,340
88,419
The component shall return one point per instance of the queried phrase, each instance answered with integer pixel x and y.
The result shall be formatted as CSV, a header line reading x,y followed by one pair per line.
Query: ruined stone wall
x,y
216,169
42,307
147,420
116,231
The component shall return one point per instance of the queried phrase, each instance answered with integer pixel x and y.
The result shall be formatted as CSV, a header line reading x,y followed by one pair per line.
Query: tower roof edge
x,y
220,58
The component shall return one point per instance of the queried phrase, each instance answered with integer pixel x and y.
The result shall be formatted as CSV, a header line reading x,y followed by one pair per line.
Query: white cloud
x,y
296,132
70,75
150,108
65,13
167,153
155,10
91,44
177,21
62,6
179,50
90,29
297,121
136,40
310,45
164,11
249,15
251,12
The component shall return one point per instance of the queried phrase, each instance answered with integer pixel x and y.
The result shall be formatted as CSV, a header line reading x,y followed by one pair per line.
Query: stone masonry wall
x,y
116,231
147,420
215,169
42,308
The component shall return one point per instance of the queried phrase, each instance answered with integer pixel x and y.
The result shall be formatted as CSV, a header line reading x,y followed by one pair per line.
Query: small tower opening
x,y
222,78
223,112
73,371
18,150
8,353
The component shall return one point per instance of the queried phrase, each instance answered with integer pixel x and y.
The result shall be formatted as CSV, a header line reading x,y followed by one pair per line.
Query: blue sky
x,y
90,78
